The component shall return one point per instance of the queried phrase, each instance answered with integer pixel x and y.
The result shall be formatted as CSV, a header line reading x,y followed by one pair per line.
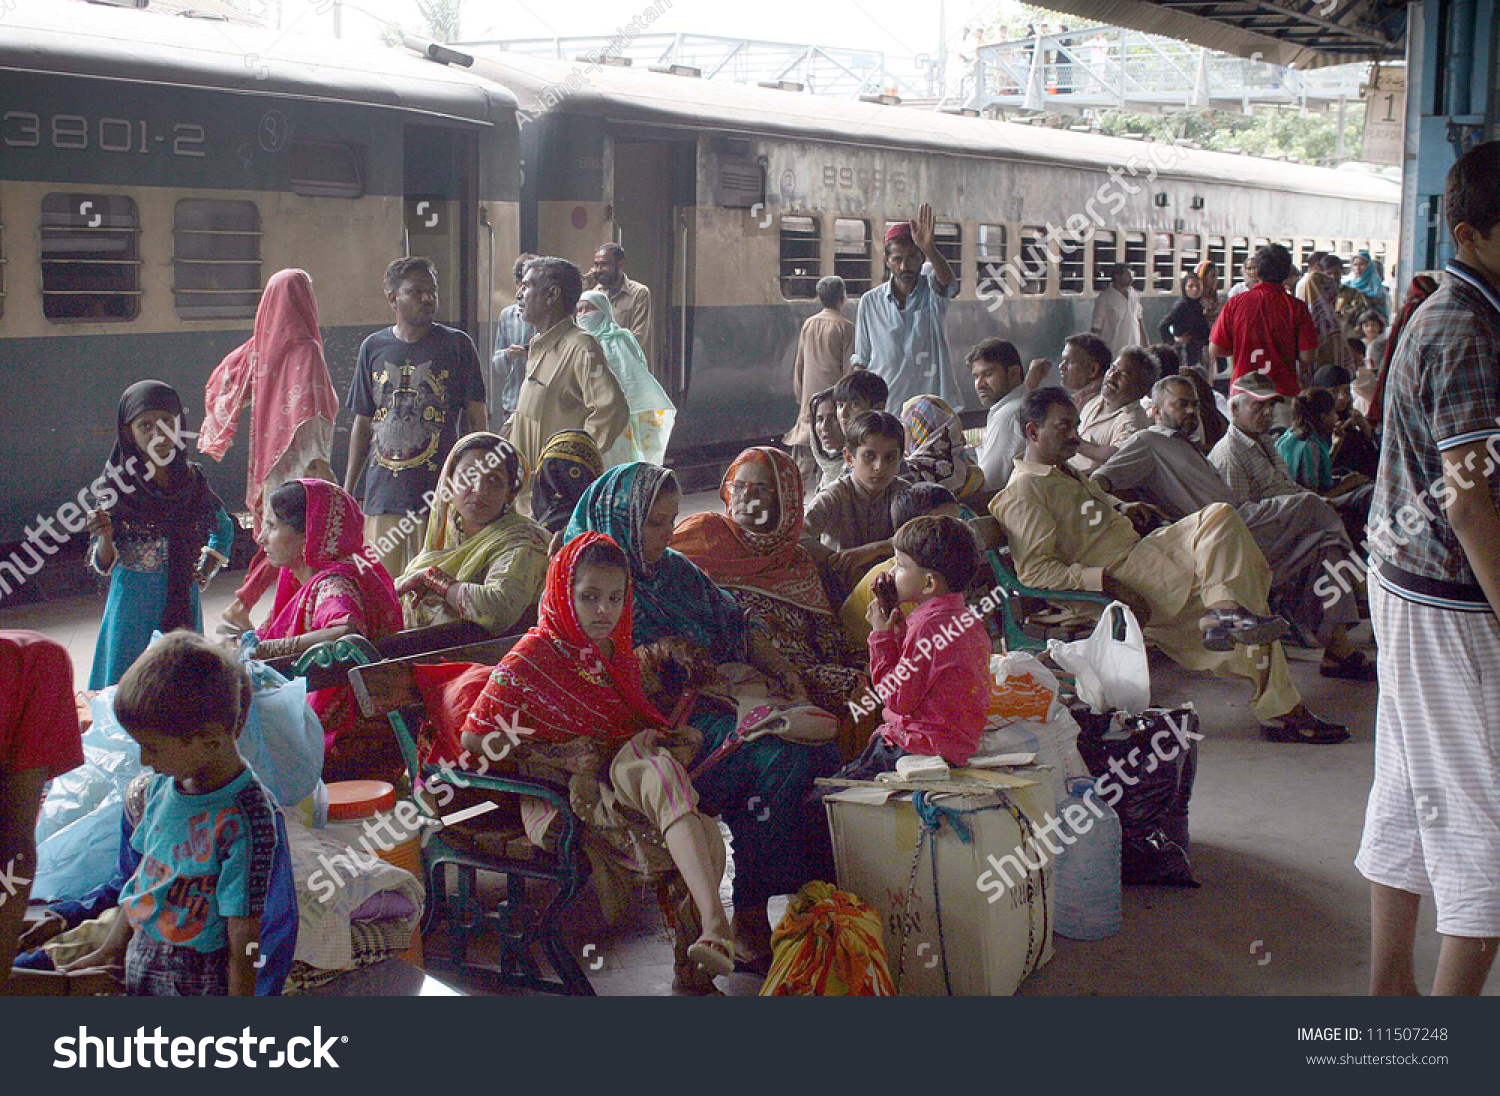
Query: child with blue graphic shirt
x,y
210,910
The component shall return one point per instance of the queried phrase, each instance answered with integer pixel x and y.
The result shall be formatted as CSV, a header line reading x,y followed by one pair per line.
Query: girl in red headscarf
x,y
331,585
280,371
566,702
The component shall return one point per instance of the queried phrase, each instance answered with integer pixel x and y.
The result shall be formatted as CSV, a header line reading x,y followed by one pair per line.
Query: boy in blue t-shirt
x,y
211,908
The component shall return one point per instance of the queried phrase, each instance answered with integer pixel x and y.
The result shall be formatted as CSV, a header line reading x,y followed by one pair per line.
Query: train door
x,y
439,186
646,207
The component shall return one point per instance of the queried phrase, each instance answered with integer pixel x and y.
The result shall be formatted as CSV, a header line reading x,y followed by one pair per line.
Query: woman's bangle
x,y
268,649
438,581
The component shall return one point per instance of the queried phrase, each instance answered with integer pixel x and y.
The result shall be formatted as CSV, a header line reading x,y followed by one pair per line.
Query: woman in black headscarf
x,y
568,463
159,531
1186,326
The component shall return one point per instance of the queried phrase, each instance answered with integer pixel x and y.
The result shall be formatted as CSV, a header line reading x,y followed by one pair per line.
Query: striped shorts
x,y
1432,824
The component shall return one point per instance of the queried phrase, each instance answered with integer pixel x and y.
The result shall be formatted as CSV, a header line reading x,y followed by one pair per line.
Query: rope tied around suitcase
x,y
931,816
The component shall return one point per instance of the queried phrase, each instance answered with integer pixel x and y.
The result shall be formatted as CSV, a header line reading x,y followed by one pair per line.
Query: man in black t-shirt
x,y
417,389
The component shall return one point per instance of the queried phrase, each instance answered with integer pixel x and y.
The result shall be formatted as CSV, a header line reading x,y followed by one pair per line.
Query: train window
x,y
1135,258
1105,257
1239,251
326,169
800,257
1216,256
91,260
1307,248
851,254
1164,263
2,266
1070,270
989,263
1192,255
216,259
1033,260
1377,252
949,240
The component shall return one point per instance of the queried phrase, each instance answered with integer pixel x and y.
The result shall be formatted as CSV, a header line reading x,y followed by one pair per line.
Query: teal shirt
x,y
1309,460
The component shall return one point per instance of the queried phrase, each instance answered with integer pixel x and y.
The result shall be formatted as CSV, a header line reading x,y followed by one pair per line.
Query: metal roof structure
x,y
1101,68
120,43
1300,34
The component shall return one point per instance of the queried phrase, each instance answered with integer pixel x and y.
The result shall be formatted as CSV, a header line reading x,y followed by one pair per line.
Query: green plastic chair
x,y
1010,616
387,688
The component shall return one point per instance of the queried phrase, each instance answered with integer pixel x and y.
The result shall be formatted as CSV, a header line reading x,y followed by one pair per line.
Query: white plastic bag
x,y
1112,673
1055,744
78,830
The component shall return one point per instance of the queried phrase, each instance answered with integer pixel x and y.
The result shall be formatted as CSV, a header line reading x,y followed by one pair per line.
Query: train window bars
x,y
948,238
1135,258
1034,261
1105,256
1163,263
1071,255
1216,255
1192,254
1239,251
91,258
989,261
851,254
216,259
801,260
326,169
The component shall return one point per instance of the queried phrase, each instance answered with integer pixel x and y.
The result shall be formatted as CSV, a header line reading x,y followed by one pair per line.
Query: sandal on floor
x,y
1306,728
715,956
1241,627
1352,667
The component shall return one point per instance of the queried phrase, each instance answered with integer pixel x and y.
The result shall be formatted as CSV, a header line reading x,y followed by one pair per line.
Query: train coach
x,y
154,171
732,202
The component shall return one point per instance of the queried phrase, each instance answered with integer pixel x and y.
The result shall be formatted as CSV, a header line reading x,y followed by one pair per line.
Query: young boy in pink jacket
x,y
931,671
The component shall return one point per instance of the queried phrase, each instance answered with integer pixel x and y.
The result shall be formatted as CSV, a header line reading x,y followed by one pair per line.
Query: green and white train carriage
x,y
155,171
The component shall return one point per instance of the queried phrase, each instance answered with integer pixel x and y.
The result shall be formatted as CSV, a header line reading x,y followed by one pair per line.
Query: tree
x,y
441,20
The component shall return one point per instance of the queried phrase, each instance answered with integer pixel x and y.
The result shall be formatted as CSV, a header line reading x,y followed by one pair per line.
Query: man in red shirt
x,y
1266,329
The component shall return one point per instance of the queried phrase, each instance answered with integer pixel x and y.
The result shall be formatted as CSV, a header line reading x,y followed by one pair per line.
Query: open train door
x,y
440,187
650,206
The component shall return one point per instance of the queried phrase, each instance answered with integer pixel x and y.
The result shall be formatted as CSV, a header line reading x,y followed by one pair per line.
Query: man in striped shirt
x,y
1432,825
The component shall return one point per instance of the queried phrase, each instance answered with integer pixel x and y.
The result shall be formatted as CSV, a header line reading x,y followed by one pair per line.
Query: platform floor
x,y
1281,909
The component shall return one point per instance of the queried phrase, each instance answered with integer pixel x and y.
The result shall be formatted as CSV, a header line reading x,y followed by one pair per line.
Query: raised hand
x,y
924,229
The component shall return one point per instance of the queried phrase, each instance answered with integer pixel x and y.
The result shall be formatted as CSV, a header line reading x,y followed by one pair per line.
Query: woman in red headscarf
x,y
280,370
566,702
331,585
754,551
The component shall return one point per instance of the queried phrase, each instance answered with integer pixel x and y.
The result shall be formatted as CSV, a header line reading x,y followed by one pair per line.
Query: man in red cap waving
x,y
899,331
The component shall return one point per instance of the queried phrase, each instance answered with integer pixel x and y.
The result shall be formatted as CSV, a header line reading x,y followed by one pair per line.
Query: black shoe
x,y
1304,727
1352,667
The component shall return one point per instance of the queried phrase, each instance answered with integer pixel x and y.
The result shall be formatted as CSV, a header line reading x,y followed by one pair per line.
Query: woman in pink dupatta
x,y
331,585
281,372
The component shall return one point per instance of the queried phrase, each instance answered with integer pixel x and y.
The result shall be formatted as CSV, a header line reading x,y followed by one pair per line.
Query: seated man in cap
x,y
1198,585
898,332
1301,537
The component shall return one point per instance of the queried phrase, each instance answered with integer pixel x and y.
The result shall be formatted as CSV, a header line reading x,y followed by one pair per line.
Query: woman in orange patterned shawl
x,y
753,550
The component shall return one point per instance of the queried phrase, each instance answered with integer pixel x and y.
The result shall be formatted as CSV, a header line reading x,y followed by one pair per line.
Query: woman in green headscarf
x,y
651,412
480,560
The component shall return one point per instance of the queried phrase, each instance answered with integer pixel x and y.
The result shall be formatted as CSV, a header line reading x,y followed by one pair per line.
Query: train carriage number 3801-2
x,y
74,132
